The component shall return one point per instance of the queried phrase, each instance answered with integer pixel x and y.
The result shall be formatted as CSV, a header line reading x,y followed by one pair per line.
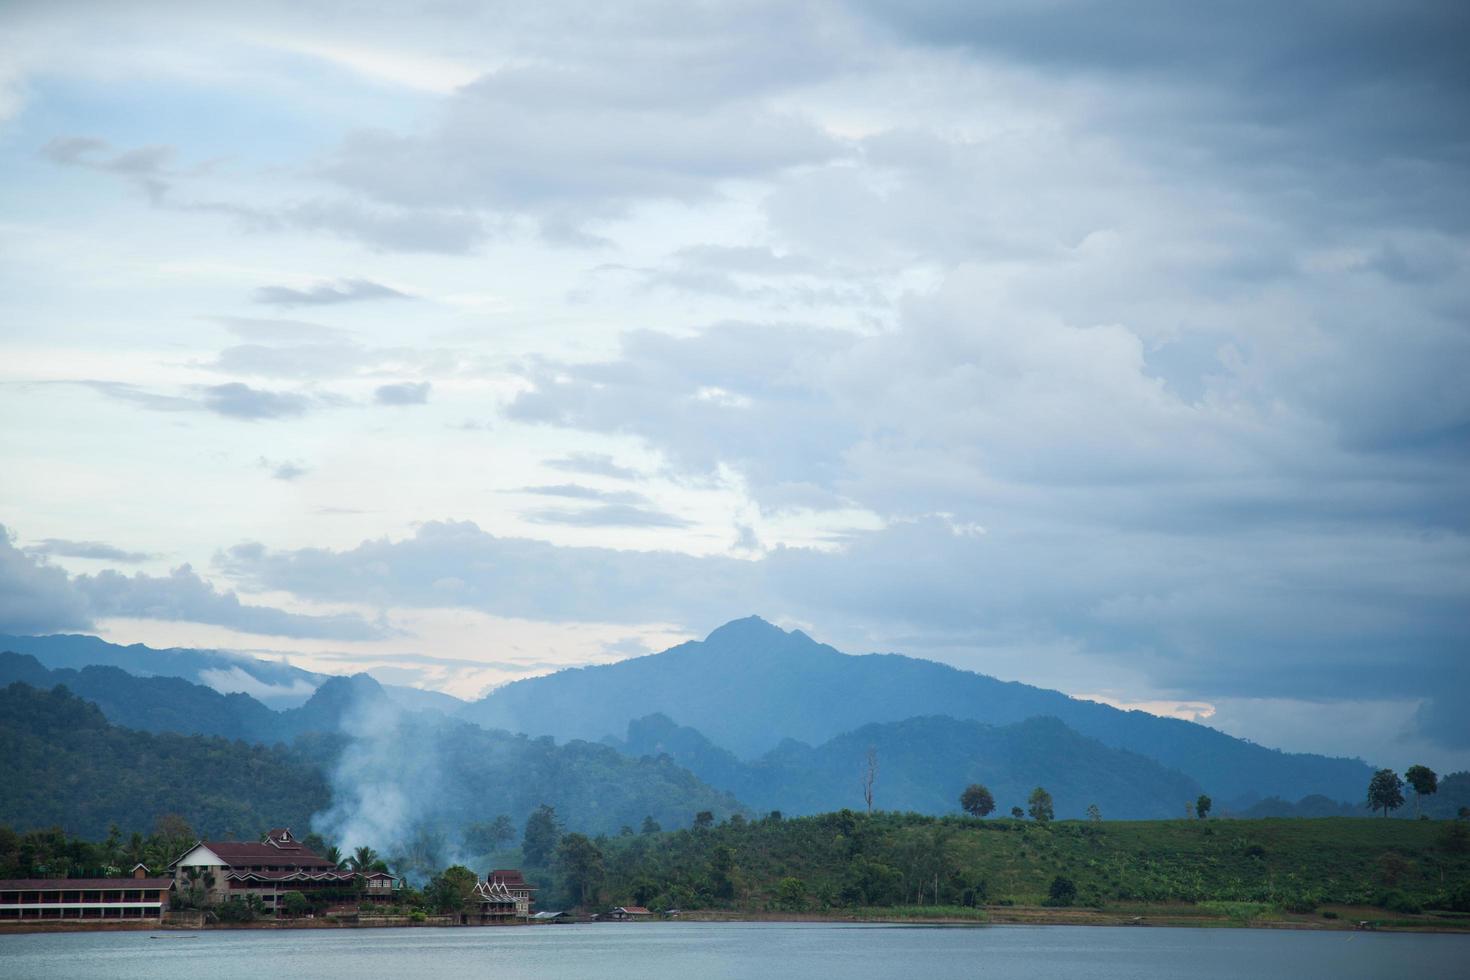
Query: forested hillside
x,y
411,777
924,764
63,764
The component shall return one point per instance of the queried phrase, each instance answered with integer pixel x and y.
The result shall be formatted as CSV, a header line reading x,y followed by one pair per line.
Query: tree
x,y
650,825
1425,783
175,834
870,776
581,863
450,889
703,820
791,894
1093,813
1385,791
334,854
1202,806
977,801
538,843
1039,805
294,904
1063,892
364,859
1017,813
487,838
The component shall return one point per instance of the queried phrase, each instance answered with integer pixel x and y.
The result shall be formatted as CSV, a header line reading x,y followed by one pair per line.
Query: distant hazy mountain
x,y
275,685
356,759
172,704
749,685
925,763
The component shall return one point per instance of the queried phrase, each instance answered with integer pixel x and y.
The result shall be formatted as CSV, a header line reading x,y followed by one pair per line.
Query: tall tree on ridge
x,y
1425,782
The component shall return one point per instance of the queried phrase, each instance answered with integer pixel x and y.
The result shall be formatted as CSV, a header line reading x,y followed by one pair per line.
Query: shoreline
x,y
1143,916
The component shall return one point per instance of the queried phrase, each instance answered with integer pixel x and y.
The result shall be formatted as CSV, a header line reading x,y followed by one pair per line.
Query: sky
x,y
1116,348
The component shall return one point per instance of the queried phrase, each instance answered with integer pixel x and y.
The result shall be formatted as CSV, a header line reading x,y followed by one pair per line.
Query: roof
x,y
235,852
632,910
511,878
303,874
494,892
83,884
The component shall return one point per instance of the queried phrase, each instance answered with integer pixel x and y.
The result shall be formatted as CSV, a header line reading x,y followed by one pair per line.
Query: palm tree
x,y
334,854
363,859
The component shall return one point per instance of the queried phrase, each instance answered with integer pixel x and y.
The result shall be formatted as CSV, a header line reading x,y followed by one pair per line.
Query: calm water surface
x,y
686,949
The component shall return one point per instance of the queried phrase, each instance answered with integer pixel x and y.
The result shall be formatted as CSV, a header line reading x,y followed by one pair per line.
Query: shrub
x,y
1063,892
1300,904
1329,914
1456,899
1396,901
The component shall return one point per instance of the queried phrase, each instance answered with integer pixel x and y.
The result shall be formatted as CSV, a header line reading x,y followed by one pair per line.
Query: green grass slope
x,y
848,859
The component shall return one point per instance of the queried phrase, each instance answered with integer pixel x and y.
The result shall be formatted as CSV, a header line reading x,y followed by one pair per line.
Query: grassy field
x,y
1226,871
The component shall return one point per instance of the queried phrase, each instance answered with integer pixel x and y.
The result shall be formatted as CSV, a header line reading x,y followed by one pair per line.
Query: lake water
x,y
613,951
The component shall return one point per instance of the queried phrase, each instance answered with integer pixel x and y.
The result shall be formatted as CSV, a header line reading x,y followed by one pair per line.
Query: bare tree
x,y
870,776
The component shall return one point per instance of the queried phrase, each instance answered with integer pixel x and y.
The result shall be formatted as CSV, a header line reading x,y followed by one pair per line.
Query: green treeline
x,y
846,859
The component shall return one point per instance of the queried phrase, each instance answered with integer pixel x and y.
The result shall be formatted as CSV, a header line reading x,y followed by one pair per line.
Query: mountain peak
x,y
749,628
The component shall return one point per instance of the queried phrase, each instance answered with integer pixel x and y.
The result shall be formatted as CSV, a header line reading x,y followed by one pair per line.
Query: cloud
x,y
593,464
576,491
283,469
403,393
233,399
607,515
182,595
516,577
61,548
240,401
237,681
567,137
327,293
729,395
36,597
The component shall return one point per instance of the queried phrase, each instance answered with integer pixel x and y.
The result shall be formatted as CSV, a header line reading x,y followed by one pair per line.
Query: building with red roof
x,y
280,863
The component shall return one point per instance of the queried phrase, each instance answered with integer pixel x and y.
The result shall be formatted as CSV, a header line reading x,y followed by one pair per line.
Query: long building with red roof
x,y
43,899
269,869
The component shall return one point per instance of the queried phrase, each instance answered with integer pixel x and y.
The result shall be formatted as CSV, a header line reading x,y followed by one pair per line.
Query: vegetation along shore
x,y
1333,873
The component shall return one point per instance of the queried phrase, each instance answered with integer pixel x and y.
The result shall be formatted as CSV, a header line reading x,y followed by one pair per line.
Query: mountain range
x,y
751,717
750,685
274,684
